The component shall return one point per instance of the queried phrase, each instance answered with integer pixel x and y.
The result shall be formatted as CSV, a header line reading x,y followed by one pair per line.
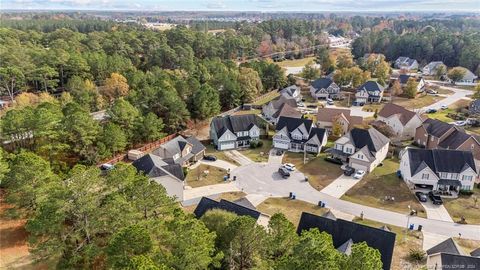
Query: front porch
x,y
338,154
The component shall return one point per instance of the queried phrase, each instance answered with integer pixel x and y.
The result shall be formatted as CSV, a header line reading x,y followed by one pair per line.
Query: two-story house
x,y
327,117
362,149
292,91
406,63
403,80
469,78
298,135
402,121
370,91
180,150
433,67
443,171
282,106
433,134
234,131
323,88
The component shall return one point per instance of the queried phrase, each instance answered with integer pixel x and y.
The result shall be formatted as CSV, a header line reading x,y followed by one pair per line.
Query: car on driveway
x,y
435,198
359,174
460,123
284,172
210,157
421,196
432,92
431,111
289,166
333,160
347,170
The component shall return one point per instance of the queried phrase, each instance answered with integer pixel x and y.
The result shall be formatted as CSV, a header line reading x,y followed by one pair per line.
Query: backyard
x,y
417,103
465,206
259,154
383,183
204,175
320,173
292,209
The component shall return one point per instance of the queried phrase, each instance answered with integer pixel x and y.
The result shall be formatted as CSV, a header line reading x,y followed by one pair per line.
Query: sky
x,y
247,5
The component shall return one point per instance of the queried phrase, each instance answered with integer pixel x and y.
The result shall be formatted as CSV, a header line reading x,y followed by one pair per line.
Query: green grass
x,y
296,62
292,209
320,173
259,154
382,182
267,99
205,175
442,115
464,206
243,112
219,154
418,102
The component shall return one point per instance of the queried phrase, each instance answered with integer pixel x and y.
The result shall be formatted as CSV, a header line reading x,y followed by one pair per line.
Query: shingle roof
x,y
289,91
454,261
392,109
469,75
197,146
475,106
346,248
283,100
288,111
371,87
440,160
475,253
154,166
328,115
318,132
454,140
322,83
436,127
177,145
447,246
206,204
234,123
293,123
371,138
342,231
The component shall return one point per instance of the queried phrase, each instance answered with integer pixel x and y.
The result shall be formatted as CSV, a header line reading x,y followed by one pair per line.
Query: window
x,y
472,146
467,178
443,175
454,176
425,176
360,156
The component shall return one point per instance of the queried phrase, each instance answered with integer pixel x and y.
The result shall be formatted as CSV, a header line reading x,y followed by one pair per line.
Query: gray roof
x,y
371,138
197,146
322,83
469,75
293,123
447,246
319,133
346,248
283,100
329,215
440,160
436,127
289,91
455,261
234,123
475,253
454,140
207,204
371,87
245,203
433,66
154,166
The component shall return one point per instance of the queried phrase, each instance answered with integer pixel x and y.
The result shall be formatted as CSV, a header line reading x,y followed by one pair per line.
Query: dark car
x,y
312,106
348,171
284,172
334,160
431,111
435,198
210,157
421,196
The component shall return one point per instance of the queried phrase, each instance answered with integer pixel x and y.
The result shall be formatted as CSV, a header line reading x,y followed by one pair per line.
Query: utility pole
x,y
408,223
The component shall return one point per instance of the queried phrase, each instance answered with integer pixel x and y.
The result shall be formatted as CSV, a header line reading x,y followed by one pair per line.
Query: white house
x,y
234,131
402,121
370,91
298,135
441,170
468,79
406,63
324,88
292,91
275,108
362,149
432,68
403,79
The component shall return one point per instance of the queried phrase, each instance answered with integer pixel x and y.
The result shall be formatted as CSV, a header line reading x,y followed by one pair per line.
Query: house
x,y
298,135
402,121
443,171
323,88
363,149
207,204
434,134
475,253
474,108
169,175
273,109
403,80
468,79
346,233
370,91
326,117
180,150
234,131
444,261
432,68
406,63
292,91
447,246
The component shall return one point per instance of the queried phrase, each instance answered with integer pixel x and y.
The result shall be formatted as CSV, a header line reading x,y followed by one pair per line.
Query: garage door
x,y
280,144
227,145
357,166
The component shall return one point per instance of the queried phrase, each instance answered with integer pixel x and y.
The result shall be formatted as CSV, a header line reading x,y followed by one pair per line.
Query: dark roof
x,y
154,166
440,160
475,253
206,204
436,127
319,132
177,145
293,123
322,83
455,261
371,138
234,123
342,231
454,140
287,110
197,146
475,106
283,100
245,203
346,248
403,78
371,87
289,90
450,182
392,109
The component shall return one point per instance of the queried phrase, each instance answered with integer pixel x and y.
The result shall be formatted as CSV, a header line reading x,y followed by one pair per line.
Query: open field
x,y
205,175
296,62
320,173
382,182
419,102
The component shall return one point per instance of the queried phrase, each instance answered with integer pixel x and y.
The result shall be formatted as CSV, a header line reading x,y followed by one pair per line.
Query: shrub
x,y
466,192
259,143
416,254
253,144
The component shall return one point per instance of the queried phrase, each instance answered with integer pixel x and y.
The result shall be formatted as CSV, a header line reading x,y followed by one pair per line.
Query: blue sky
x,y
249,5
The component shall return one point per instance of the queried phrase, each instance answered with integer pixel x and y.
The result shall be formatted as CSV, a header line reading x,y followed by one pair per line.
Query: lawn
x,y
219,154
442,115
259,154
419,102
296,62
320,173
243,112
464,206
372,107
266,99
383,182
292,209
205,175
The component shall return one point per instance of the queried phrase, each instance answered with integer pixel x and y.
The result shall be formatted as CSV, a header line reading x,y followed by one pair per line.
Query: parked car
x,y
210,157
289,166
444,107
432,92
106,167
435,198
284,172
460,123
347,170
301,104
359,174
421,196
471,121
333,160
312,106
330,102
431,111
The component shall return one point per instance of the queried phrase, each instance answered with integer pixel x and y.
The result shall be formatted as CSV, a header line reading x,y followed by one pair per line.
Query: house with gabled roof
x,y
346,233
207,204
406,63
403,122
327,117
180,150
234,131
282,106
449,255
362,149
403,80
324,88
292,91
469,78
443,171
370,91
298,135
432,68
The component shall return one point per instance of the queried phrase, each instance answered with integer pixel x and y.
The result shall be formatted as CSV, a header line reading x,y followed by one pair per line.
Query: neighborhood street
x,y
449,100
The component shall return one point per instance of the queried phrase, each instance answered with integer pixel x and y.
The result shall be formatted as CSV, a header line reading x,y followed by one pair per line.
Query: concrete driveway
x,y
238,157
273,158
438,212
340,186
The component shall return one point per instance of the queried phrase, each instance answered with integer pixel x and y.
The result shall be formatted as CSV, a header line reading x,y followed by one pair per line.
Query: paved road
x,y
274,158
340,186
258,178
449,100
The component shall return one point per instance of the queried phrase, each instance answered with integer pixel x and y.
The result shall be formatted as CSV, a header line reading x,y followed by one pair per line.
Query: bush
x,y
416,254
466,192
259,143
253,144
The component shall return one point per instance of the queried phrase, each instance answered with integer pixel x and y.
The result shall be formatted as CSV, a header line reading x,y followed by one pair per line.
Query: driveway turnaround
x,y
438,212
217,163
273,158
340,186
238,157
261,178
354,110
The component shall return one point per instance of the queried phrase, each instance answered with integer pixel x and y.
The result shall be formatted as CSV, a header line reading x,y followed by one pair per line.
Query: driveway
x,y
354,110
273,158
340,186
438,212
238,157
